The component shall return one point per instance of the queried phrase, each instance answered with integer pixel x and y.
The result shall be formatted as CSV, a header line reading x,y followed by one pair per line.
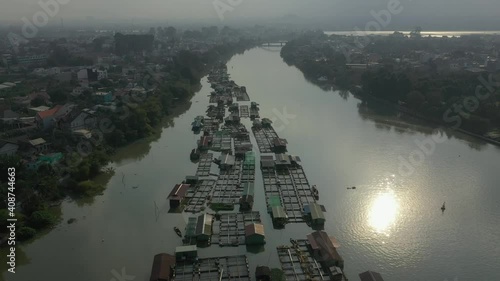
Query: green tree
x,y
25,233
41,219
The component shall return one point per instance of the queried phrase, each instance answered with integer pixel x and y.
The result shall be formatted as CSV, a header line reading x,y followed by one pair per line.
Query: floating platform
x,y
226,189
198,196
221,141
205,165
298,264
231,228
265,138
228,268
244,111
292,187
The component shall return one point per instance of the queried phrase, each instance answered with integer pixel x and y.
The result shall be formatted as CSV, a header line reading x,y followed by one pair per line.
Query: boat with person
x,y
178,231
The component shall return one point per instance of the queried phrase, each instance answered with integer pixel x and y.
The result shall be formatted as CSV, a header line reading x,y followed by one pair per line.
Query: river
x,y
391,223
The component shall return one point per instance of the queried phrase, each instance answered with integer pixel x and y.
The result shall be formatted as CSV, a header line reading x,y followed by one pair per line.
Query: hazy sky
x,y
334,11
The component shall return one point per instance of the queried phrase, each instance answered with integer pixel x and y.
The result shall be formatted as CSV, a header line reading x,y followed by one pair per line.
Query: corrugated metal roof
x,y
370,276
179,191
184,249
204,225
279,212
316,211
254,228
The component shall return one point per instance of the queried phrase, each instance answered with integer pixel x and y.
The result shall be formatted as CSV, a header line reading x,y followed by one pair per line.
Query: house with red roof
x,y
47,119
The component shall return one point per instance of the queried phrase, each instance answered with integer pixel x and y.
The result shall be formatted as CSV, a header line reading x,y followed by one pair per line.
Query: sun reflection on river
x,y
383,211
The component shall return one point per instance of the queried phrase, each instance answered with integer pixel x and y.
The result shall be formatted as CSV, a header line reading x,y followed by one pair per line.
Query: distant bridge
x,y
274,44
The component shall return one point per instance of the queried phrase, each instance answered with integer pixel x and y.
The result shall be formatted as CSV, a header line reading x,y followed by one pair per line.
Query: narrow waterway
x,y
391,223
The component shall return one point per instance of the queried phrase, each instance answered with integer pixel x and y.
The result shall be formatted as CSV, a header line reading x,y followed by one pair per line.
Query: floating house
x,y
280,218
246,200
262,273
257,124
241,148
266,122
204,227
267,161
205,142
177,194
370,276
279,145
283,160
233,118
191,180
254,234
186,252
226,161
324,249
163,268
315,213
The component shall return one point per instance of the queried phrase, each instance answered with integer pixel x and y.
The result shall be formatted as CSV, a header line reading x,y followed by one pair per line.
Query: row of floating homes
x,y
289,199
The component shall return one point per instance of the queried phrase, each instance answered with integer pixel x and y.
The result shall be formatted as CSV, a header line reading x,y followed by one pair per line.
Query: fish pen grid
x,y
292,187
227,189
198,196
210,125
244,111
298,264
264,138
231,268
221,141
205,165
230,228
248,173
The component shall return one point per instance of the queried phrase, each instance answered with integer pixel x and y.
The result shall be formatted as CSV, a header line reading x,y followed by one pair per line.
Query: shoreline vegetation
x,y
40,192
390,71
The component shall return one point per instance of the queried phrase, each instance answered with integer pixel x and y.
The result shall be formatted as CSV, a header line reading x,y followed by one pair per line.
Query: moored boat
x,y
178,231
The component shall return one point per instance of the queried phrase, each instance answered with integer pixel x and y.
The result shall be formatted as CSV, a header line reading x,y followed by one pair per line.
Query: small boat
x,y
178,231
315,192
195,154
443,207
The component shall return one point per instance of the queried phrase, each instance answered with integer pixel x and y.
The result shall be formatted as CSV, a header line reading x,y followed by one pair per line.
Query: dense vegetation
x,y
444,96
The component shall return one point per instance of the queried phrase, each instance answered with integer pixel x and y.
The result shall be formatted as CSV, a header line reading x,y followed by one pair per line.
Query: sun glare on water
x,y
383,211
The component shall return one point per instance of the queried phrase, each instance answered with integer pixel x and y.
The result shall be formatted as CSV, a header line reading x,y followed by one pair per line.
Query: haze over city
x,y
330,14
